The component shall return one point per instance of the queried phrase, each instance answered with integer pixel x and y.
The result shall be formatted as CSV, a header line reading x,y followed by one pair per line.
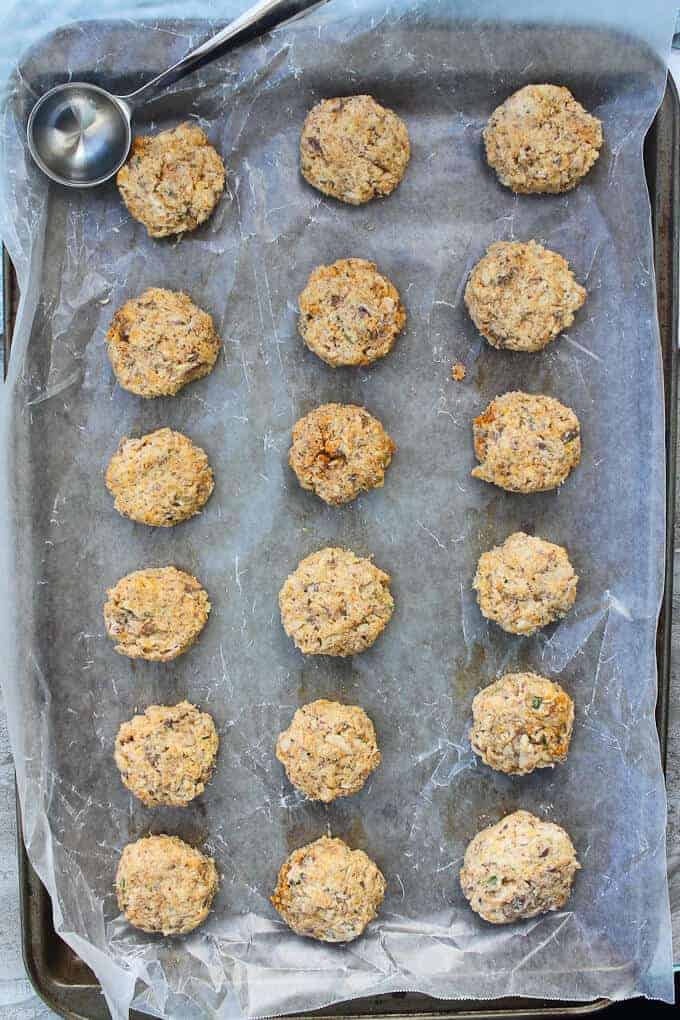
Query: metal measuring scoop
x,y
80,134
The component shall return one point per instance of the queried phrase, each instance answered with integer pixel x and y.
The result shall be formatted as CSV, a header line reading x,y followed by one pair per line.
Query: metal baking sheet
x,y
71,989
427,527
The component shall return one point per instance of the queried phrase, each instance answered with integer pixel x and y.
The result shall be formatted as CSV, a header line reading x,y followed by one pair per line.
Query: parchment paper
x,y
79,256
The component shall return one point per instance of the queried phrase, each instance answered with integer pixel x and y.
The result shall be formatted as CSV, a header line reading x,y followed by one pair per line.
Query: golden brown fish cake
x,y
172,181
160,341
521,296
541,140
165,885
526,442
518,868
160,479
329,750
338,451
335,603
525,584
156,614
349,313
328,892
522,722
167,754
353,149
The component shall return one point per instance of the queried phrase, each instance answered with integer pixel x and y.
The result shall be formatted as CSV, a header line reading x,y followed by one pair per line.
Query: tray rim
x,y
663,180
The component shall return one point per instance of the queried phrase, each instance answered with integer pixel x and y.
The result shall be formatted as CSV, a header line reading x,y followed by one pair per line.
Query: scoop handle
x,y
258,19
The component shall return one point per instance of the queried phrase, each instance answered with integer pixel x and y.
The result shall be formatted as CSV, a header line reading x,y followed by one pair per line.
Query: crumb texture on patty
x,y
172,181
353,149
335,603
329,750
156,614
327,891
521,296
526,442
167,754
525,584
160,341
338,451
518,868
522,722
350,314
164,885
541,140
160,479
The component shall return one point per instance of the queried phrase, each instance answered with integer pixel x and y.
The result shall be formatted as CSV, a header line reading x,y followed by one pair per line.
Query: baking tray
x,y
69,987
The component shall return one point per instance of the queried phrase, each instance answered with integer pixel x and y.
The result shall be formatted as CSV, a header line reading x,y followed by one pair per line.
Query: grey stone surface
x,y
673,758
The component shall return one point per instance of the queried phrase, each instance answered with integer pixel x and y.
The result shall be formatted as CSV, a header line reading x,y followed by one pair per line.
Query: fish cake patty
x,y
328,892
522,722
172,181
521,295
518,868
335,603
329,750
525,584
541,140
350,314
353,149
167,754
156,614
159,342
164,885
338,451
526,442
161,479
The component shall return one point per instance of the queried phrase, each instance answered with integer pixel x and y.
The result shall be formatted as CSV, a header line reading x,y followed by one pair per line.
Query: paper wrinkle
x,y
444,67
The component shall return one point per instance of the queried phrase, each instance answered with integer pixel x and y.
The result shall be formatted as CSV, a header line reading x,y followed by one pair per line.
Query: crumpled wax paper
x,y
443,67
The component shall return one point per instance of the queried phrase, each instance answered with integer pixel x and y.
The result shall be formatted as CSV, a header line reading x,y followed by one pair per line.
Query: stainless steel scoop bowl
x,y
80,135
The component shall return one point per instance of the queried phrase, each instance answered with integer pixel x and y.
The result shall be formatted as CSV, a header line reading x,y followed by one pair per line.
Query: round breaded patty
x,y
520,296
156,614
172,181
526,442
159,342
167,755
329,750
165,885
338,451
353,149
518,868
525,584
349,313
327,891
160,479
542,140
522,722
335,603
